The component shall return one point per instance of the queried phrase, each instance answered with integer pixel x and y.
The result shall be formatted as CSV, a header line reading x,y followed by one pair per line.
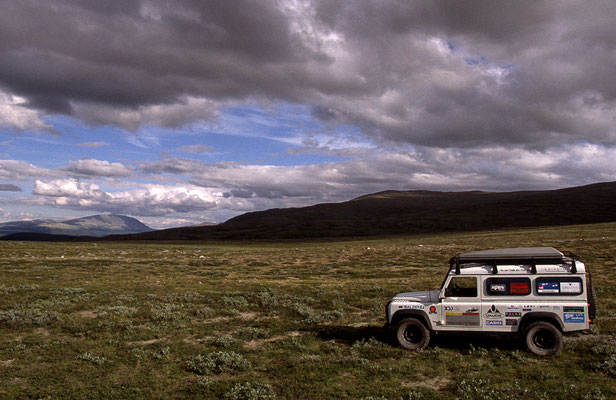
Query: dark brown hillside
x,y
411,212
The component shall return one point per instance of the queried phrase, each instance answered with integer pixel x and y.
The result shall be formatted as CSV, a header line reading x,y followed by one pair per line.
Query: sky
x,y
185,112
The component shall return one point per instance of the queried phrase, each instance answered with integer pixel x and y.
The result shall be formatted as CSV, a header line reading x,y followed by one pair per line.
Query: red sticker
x,y
519,287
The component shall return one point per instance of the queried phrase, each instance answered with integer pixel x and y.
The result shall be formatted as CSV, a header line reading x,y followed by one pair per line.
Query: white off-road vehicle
x,y
536,292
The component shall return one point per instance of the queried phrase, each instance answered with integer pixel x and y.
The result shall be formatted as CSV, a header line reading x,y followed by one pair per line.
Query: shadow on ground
x,y
351,334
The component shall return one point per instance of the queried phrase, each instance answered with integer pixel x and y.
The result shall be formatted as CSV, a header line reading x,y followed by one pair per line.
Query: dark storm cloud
x,y
142,53
9,188
530,74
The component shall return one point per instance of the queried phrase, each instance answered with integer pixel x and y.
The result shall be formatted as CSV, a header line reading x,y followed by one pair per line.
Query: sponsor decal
x,y
498,288
513,308
571,287
414,306
573,309
493,313
519,288
494,323
544,306
513,314
511,322
556,308
574,318
432,310
547,287
448,308
527,309
460,318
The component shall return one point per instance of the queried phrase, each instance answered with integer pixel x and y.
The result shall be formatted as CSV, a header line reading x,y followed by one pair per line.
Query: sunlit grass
x,y
290,319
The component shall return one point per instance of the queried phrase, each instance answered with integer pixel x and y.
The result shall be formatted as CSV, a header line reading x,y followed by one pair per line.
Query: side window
x,y
507,286
462,286
564,286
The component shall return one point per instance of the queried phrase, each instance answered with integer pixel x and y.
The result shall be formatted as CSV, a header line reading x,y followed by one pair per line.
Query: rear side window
x,y
462,286
508,286
565,286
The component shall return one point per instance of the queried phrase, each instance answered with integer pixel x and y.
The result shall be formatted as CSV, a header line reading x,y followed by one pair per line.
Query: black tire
x,y
544,339
412,334
592,301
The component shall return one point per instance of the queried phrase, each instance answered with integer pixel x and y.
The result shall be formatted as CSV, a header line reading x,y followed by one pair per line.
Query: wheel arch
x,y
417,314
534,316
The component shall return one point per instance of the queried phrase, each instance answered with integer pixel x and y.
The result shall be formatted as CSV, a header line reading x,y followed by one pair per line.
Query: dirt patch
x,y
6,363
436,383
43,331
254,344
249,316
144,342
86,314
192,340
359,324
217,319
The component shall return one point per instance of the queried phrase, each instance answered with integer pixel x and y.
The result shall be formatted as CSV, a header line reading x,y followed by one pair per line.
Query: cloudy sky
x,y
190,111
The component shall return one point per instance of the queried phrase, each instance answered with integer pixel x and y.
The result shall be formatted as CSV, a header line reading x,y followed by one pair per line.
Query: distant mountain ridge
x,y
397,213
411,212
94,225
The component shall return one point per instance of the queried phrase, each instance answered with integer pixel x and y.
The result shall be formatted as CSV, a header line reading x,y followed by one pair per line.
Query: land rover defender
x,y
538,293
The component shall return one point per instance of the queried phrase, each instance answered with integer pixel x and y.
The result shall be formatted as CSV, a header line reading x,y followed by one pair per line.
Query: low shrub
x,y
94,359
224,341
251,391
250,332
26,317
218,362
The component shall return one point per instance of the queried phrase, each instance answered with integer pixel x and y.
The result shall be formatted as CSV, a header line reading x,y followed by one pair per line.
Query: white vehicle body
x,y
501,291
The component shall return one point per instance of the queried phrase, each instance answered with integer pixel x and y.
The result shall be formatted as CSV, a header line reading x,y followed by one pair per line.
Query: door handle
x,y
472,310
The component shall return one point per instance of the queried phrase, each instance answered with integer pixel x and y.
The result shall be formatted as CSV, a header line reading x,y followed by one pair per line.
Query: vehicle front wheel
x,y
543,339
412,334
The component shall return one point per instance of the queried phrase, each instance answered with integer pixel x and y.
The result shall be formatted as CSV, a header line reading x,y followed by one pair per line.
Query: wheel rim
x,y
412,334
544,339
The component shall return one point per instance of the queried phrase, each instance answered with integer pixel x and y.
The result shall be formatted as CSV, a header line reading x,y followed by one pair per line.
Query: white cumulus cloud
x,y
16,116
92,167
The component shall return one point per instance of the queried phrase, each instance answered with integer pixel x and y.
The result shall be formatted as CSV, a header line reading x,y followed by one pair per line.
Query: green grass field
x,y
275,320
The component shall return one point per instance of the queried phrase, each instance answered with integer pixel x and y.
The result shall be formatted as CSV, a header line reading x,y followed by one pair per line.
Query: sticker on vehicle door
x,y
462,318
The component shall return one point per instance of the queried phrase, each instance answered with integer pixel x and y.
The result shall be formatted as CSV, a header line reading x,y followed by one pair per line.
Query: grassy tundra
x,y
274,320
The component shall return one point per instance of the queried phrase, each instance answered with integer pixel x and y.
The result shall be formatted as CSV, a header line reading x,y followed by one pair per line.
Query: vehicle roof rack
x,y
513,256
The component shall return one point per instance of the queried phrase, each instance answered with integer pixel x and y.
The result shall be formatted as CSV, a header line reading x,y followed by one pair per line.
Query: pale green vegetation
x,y
275,320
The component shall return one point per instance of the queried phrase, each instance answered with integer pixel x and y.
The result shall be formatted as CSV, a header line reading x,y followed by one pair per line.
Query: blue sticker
x,y
573,317
490,322
547,287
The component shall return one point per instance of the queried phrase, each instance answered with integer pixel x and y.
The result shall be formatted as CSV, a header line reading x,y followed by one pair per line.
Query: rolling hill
x,y
95,225
411,212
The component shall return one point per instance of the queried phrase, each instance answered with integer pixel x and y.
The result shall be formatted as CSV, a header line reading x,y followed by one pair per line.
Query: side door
x,y
503,302
461,306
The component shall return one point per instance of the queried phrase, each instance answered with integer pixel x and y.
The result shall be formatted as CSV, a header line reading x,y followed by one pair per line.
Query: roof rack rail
x,y
532,256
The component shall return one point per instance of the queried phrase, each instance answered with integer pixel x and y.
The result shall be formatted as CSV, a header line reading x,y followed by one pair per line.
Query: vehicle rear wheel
x,y
592,301
544,339
412,334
